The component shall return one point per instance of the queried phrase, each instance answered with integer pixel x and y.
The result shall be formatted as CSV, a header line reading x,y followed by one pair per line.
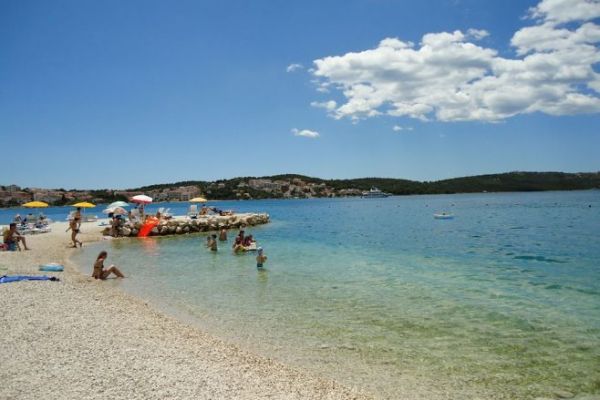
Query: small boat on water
x,y
374,193
443,215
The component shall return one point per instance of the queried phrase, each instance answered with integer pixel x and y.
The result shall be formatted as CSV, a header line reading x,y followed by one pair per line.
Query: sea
x,y
501,301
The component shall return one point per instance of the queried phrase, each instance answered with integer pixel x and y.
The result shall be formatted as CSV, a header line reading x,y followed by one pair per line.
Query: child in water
x,y
260,258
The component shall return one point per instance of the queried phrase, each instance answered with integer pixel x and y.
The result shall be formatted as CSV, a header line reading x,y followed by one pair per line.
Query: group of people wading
x,y
241,244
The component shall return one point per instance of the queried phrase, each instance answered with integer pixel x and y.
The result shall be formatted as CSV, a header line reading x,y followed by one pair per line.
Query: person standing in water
x,y
223,235
260,258
100,272
213,243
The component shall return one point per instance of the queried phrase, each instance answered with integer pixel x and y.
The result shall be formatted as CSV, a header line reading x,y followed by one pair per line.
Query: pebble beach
x,y
80,338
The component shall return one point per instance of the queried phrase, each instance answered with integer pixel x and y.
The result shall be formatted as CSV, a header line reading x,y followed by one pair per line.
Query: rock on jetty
x,y
180,226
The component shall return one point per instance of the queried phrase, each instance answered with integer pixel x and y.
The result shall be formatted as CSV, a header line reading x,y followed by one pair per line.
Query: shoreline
x,y
82,338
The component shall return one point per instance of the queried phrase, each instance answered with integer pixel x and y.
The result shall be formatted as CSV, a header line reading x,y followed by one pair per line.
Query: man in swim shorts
x,y
12,237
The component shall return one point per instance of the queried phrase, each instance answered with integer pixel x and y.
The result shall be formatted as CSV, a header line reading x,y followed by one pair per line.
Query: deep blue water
x,y
504,299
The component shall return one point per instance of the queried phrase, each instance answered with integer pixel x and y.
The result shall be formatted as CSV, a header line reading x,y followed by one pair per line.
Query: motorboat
x,y
374,193
443,215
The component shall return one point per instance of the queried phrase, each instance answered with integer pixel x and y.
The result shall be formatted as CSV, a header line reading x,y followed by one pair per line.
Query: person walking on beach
x,y
12,237
74,227
77,217
260,258
100,272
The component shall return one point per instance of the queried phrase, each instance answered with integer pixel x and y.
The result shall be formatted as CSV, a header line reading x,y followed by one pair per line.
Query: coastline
x,y
82,338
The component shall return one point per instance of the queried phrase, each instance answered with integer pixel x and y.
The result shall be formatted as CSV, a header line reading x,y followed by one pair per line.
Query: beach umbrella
x,y
198,200
118,204
84,204
142,199
115,210
35,204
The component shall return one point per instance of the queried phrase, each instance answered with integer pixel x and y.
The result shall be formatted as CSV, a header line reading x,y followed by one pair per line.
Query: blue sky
x,y
122,94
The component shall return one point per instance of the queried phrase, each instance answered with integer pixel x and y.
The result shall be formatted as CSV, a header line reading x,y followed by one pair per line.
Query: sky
x,y
120,94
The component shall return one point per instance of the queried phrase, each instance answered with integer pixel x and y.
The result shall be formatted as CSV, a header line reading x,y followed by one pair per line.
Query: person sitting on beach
x,y
158,215
18,219
100,272
42,219
260,258
204,210
12,237
29,219
223,235
74,231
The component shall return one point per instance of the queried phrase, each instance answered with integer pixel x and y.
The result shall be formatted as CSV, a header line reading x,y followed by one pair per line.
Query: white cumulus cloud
x,y
328,105
398,128
305,133
294,67
561,11
448,77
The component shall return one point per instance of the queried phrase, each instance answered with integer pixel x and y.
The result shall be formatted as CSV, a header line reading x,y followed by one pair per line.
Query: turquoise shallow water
x,y
503,300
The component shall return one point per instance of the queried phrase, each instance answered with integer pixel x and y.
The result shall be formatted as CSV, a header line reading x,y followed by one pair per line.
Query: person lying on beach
x,y
223,235
74,231
12,237
100,272
260,258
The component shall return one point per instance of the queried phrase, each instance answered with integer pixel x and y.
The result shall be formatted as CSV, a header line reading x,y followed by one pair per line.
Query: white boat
x,y
443,216
374,193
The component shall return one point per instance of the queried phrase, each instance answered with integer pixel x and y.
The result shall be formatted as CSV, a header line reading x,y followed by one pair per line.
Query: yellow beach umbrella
x,y
84,204
35,204
198,200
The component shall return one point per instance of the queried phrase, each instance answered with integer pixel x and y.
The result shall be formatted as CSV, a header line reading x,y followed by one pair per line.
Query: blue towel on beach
x,y
16,278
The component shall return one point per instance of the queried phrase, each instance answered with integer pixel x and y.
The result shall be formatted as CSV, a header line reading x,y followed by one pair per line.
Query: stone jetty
x,y
181,225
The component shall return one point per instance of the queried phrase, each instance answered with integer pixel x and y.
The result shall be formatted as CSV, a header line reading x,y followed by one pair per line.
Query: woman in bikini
x,y
100,272
74,227
77,216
